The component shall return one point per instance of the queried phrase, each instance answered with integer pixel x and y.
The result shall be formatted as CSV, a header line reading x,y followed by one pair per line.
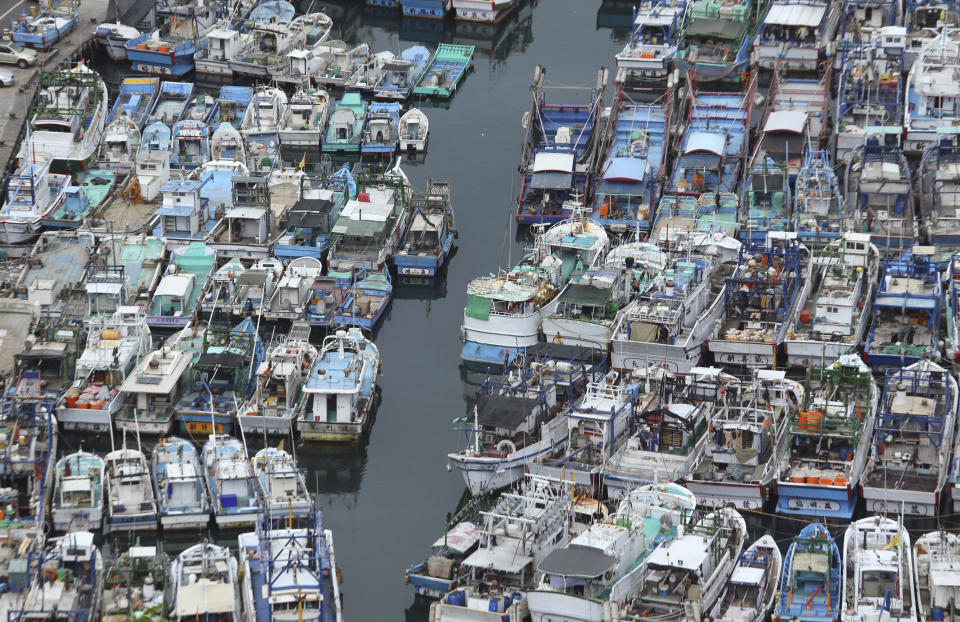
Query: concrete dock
x,y
15,100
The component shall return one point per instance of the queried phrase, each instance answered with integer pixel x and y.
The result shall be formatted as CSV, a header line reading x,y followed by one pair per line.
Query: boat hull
x,y
814,353
187,520
751,496
138,522
747,353
270,425
577,333
483,357
232,521
74,519
482,11
144,427
330,432
816,500
204,423
85,419
913,502
512,331
18,232
563,607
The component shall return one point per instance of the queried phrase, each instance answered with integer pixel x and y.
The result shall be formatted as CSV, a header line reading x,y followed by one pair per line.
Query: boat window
x,y
877,582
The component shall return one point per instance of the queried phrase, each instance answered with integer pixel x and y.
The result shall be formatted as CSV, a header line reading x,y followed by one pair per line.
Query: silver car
x,y
6,77
14,54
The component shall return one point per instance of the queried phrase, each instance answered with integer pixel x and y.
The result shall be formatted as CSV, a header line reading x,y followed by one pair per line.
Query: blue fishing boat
x,y
270,11
190,145
131,500
456,544
630,179
180,487
400,74
172,102
796,34
136,99
225,360
425,9
810,585
861,20
365,300
428,241
290,568
201,108
879,192
715,39
766,201
381,132
341,389
714,144
41,30
311,218
230,480
940,194
818,204
232,105
168,50
448,65
28,471
554,151
906,311
156,137
649,52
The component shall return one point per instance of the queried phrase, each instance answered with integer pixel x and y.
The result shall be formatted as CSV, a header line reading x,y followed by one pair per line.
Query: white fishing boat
x,y
32,193
180,488
204,584
278,399
833,314
131,501
226,145
282,484
686,576
294,290
492,11
152,391
752,588
305,118
414,129
913,439
262,122
596,571
935,556
747,433
78,492
653,43
932,95
113,38
230,480
115,344
878,581
66,584
121,142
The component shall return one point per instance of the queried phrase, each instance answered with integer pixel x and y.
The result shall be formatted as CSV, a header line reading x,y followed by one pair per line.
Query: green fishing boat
x,y
448,65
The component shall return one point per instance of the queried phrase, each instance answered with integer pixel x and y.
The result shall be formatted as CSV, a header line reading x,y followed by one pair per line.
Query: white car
x,y
6,77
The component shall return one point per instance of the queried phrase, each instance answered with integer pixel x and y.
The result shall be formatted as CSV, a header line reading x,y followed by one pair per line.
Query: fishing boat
x,y
190,145
231,482
652,45
204,583
810,584
715,39
341,389
871,85
131,500
482,11
226,145
444,71
429,239
879,192
912,441
939,175
935,556
557,148
400,74
595,572
501,569
345,128
932,94
833,315
113,38
265,54
152,168
747,431
66,119
414,129
281,483
752,588
31,194
906,311
41,30
178,292
585,311
261,125
443,570
821,464
758,300
121,142
425,9
381,131
78,492
707,221
156,137
796,120
714,144
223,288
172,102
332,64
136,99
796,35
305,118
222,377
202,108
369,72
667,319
818,210
169,48
94,187
289,568
152,390
294,291
879,573
690,572
133,582
629,185
67,584
180,488
115,344
766,199
255,286
923,20
233,103
862,19
365,299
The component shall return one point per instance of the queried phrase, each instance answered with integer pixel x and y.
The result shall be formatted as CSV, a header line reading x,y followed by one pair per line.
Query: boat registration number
x,y
745,359
415,271
812,504
909,508
196,427
148,68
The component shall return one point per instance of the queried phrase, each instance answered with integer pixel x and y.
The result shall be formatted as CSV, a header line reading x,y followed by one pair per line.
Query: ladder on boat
x,y
299,331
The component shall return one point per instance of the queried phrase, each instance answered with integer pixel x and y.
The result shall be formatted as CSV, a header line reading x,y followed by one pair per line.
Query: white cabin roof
x,y
771,374
174,285
505,557
688,551
549,161
204,597
367,210
786,121
460,538
789,14
747,576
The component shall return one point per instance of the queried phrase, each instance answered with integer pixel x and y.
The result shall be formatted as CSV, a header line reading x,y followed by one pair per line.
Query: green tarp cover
x,y
585,295
478,307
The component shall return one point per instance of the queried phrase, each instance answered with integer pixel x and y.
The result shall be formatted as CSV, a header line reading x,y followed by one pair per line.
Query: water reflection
x,y
616,14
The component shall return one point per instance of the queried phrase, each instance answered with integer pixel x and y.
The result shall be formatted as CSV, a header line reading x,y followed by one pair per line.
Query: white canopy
x,y
793,121
790,14
550,161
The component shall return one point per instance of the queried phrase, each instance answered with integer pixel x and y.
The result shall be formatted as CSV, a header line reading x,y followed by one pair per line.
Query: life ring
x,y
507,446
511,307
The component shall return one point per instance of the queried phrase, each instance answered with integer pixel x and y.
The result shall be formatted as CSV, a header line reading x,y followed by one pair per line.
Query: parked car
x,y
6,77
14,54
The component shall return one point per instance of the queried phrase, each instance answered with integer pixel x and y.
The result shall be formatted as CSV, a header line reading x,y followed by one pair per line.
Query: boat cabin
x,y
106,288
153,172
183,212
223,44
